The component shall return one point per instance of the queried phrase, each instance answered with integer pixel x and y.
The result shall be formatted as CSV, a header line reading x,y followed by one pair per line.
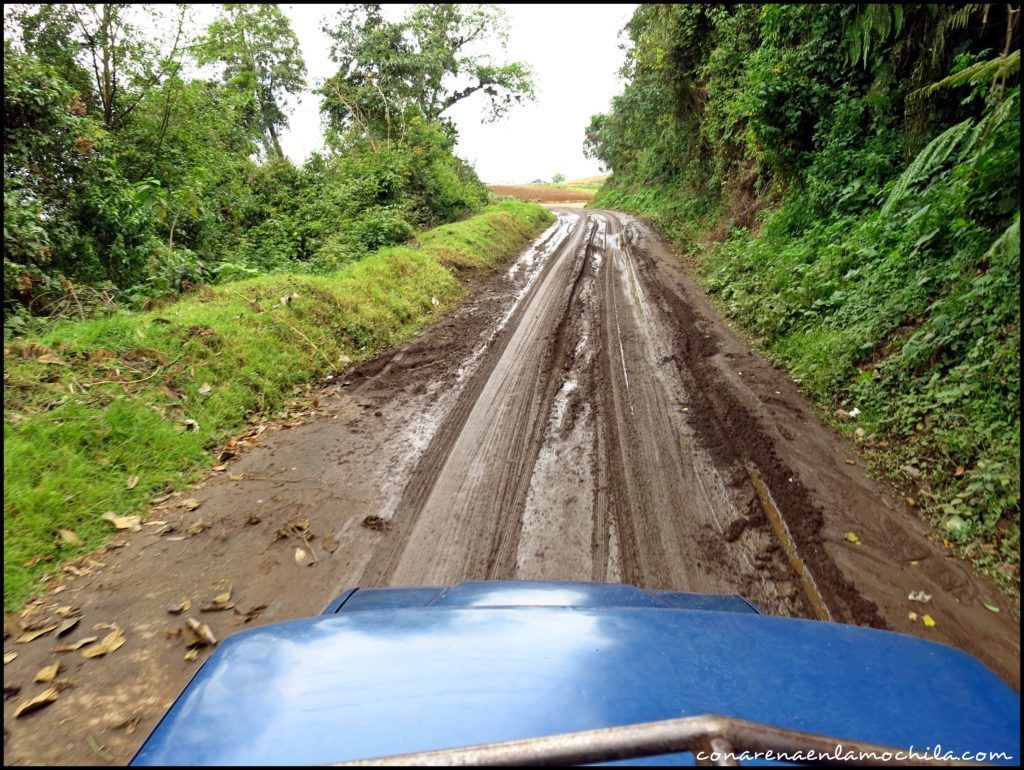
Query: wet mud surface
x,y
585,415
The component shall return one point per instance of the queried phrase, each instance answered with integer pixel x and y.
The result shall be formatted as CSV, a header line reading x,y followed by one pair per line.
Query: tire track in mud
x,y
435,473
569,453
736,441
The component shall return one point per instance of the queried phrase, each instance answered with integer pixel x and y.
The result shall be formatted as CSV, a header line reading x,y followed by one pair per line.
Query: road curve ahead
x,y
569,451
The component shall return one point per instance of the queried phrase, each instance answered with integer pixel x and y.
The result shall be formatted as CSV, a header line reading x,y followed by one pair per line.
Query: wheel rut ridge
x,y
735,439
558,360
381,567
613,443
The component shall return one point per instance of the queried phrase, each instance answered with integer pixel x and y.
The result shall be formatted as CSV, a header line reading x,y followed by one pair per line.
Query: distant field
x,y
542,193
587,182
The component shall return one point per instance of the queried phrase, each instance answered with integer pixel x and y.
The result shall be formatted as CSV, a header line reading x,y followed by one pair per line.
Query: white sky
x,y
574,52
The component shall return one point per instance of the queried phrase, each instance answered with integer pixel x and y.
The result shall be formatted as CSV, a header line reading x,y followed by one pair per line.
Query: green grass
x,y
93,403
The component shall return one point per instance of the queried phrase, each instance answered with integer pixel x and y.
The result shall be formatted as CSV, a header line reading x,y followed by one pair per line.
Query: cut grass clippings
x,y
102,414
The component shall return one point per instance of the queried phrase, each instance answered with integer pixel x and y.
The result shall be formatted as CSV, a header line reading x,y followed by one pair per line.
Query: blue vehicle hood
x,y
385,681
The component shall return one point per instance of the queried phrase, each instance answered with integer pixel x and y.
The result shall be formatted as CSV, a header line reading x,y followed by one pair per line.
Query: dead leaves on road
x,y
132,523
76,645
67,625
111,643
183,606
47,673
45,698
198,634
31,635
298,529
220,602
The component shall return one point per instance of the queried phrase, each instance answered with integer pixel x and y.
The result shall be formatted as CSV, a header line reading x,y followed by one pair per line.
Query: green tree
x,y
261,58
100,49
558,178
429,61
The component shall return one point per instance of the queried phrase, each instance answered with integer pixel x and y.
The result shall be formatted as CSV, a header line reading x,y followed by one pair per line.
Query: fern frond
x,y
959,18
875,23
935,153
992,118
1008,243
979,72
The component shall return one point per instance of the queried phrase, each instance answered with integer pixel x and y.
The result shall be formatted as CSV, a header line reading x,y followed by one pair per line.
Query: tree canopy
x,y
435,57
261,59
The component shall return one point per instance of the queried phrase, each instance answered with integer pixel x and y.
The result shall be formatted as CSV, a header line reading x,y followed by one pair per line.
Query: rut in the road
x,y
436,478
631,491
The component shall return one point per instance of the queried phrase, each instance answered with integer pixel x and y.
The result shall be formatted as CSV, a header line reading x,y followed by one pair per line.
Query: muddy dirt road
x,y
584,416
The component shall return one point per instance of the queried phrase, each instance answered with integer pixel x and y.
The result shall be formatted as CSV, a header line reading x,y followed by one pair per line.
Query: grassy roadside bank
x,y
906,333
100,415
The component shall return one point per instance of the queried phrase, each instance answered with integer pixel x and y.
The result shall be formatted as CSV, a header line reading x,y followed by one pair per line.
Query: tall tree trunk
x,y
272,132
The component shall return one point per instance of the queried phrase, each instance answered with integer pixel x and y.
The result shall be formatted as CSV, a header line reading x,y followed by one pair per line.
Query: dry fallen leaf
x,y
302,558
192,654
64,610
198,526
986,605
236,476
69,537
220,468
46,697
190,504
72,646
28,636
928,621
123,522
330,543
912,616
67,625
50,358
200,632
128,724
205,388
852,537
9,656
182,606
110,643
251,614
47,673
223,598
217,607
133,481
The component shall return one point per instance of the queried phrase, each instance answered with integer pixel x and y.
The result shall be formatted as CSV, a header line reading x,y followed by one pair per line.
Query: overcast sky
x,y
574,51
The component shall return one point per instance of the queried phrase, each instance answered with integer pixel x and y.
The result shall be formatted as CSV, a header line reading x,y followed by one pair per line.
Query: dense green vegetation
x,y
144,395
846,180
142,156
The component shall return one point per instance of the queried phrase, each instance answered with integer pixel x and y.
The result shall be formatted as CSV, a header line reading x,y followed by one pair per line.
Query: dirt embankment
x,y
541,194
585,416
